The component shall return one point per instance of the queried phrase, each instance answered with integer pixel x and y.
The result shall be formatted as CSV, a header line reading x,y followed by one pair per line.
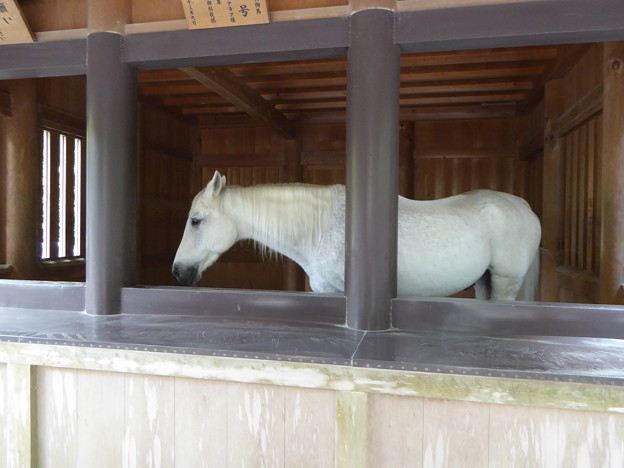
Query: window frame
x,y
63,124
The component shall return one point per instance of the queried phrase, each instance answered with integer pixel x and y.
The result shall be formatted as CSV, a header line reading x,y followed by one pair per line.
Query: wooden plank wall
x,y
452,157
3,407
165,192
55,15
576,114
99,418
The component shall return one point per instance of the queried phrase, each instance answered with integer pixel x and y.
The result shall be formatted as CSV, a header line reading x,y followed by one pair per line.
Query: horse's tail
x,y
531,279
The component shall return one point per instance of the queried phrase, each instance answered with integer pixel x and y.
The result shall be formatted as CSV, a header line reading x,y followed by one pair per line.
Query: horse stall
x,y
113,115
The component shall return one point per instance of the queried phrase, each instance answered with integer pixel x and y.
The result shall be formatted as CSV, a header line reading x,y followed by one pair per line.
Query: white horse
x,y
483,238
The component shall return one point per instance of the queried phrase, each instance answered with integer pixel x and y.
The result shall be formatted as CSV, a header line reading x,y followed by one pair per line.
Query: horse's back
x,y
446,245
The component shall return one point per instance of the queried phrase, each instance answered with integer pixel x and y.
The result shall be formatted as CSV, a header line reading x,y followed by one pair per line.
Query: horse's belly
x,y
441,272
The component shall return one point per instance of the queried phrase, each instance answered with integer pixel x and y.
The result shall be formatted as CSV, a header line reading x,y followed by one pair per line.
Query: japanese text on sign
x,y
13,27
219,13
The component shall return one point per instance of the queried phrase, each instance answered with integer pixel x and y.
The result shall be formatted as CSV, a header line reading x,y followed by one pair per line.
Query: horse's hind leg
x,y
483,287
506,288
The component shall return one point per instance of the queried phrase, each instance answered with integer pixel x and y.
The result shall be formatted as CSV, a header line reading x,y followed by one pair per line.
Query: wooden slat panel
x,y
597,228
590,182
54,193
567,216
581,187
456,433
574,207
582,155
310,427
149,415
4,429
590,439
100,423
57,417
522,436
255,425
395,431
200,423
69,198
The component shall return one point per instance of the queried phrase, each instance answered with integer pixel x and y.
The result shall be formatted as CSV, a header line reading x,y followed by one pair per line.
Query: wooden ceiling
x,y
480,83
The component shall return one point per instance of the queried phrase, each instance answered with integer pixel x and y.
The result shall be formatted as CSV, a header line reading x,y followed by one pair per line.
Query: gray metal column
x,y
373,78
111,174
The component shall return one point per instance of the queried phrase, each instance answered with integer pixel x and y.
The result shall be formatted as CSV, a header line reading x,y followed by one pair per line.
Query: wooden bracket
x,y
229,86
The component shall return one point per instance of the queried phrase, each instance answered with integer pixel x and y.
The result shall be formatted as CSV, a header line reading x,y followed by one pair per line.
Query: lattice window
x,y
62,196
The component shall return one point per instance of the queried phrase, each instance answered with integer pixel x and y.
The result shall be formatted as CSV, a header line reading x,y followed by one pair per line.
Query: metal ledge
x,y
559,359
289,40
43,59
494,318
507,25
49,295
234,303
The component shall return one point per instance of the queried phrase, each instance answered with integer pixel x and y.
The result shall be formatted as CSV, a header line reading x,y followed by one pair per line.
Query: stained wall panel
x,y
255,425
523,436
3,423
200,423
149,414
100,421
57,417
455,434
310,427
395,431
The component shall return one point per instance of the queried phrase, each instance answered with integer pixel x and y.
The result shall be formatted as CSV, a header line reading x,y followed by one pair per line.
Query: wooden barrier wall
x,y
573,187
165,160
67,406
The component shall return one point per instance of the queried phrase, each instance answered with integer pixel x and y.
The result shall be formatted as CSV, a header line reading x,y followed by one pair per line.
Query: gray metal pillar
x,y
111,174
373,79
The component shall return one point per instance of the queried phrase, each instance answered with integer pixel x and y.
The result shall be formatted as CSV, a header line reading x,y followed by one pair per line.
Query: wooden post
x,y
612,257
552,212
372,166
111,174
23,179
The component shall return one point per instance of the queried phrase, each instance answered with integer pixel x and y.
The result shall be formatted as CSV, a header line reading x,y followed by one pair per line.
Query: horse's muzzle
x,y
186,275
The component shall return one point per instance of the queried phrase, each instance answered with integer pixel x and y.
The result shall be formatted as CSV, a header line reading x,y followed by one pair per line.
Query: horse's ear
x,y
217,183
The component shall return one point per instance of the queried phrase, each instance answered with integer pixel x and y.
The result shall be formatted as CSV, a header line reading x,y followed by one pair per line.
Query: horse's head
x,y
208,233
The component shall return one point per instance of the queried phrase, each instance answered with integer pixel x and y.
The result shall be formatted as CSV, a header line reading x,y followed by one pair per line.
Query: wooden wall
x,y
573,186
67,406
166,145
53,102
452,157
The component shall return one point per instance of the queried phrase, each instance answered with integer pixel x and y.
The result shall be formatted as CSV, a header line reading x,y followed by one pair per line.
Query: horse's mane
x,y
285,213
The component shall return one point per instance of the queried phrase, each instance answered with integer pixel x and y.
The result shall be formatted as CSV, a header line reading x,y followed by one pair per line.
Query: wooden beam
x,y
567,56
612,259
225,83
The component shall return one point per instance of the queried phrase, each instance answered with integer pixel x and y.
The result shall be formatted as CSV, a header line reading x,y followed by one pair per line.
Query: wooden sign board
x,y
220,13
13,26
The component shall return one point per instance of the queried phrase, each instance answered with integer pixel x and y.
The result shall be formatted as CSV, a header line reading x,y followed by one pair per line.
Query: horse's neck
x,y
289,219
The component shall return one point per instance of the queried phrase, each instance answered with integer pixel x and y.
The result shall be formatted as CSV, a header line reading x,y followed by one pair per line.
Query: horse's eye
x,y
195,221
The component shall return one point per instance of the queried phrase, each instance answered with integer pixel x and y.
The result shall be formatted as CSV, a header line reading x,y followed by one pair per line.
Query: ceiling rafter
x,y
229,86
